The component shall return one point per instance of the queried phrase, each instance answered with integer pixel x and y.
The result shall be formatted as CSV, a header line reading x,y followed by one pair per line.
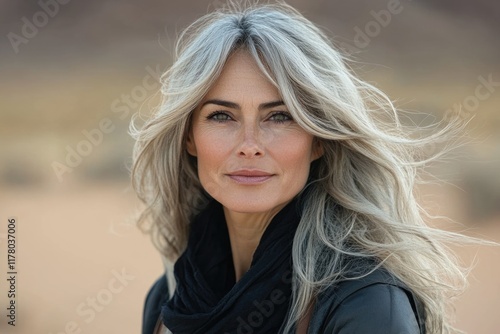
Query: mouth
x,y
249,176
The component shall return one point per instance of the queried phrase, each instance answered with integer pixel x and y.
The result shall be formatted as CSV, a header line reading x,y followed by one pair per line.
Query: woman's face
x,y
252,157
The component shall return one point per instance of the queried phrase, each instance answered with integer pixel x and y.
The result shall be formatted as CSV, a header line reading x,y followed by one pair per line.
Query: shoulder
x,y
375,303
156,296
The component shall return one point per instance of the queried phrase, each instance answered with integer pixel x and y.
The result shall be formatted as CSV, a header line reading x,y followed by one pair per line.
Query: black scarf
x,y
208,300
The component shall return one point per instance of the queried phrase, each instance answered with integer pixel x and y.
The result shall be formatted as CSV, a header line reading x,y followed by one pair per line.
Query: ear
x,y
190,145
317,149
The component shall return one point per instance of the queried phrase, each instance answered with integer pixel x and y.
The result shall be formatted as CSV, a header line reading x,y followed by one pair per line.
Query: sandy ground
x,y
82,269
72,243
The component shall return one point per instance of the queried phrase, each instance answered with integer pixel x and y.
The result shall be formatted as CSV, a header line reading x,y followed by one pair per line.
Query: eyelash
x,y
282,113
212,116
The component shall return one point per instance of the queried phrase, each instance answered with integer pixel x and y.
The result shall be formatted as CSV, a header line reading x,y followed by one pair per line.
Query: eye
x,y
219,116
280,117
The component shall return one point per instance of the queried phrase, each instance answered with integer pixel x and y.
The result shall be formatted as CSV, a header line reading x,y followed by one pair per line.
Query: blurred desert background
x,y
72,73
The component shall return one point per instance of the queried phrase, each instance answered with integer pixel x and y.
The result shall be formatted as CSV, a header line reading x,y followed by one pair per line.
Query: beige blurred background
x,y
73,72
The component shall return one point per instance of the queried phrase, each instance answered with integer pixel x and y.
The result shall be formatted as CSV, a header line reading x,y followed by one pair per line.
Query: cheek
x,y
295,156
211,151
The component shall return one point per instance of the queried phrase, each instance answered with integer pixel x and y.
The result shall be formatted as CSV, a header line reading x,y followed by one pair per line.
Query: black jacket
x,y
374,304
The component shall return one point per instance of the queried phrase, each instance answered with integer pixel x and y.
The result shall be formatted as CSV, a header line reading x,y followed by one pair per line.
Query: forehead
x,y
241,77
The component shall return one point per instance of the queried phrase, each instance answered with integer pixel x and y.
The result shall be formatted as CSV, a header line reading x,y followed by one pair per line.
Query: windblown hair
x,y
361,193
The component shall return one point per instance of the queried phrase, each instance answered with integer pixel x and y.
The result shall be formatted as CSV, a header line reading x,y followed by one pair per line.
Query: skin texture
x,y
252,157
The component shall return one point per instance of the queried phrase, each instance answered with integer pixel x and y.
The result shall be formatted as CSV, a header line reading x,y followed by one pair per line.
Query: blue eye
x,y
219,116
280,117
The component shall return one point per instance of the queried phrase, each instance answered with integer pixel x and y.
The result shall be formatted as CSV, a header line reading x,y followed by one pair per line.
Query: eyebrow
x,y
233,105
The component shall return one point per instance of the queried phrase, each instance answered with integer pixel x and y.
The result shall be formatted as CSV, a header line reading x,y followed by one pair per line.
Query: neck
x,y
245,231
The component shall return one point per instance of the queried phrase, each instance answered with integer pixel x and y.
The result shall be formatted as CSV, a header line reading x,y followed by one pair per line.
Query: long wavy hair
x,y
361,200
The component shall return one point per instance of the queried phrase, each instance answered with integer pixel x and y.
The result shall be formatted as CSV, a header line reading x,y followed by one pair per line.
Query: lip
x,y
247,176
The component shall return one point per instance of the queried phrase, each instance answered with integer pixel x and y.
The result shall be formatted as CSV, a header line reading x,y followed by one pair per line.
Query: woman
x,y
281,187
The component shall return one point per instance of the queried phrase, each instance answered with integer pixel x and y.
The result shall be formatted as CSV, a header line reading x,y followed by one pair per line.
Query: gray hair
x,y
360,201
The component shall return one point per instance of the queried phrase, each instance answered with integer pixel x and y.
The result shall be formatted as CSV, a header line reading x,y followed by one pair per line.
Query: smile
x,y
249,177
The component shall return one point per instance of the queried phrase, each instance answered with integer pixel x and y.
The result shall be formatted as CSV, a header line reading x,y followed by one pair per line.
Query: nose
x,y
250,143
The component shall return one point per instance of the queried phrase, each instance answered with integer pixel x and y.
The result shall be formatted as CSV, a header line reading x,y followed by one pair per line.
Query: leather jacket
x,y
375,304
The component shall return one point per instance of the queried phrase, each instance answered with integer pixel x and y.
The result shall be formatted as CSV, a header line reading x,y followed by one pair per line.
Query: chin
x,y
248,205
252,204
